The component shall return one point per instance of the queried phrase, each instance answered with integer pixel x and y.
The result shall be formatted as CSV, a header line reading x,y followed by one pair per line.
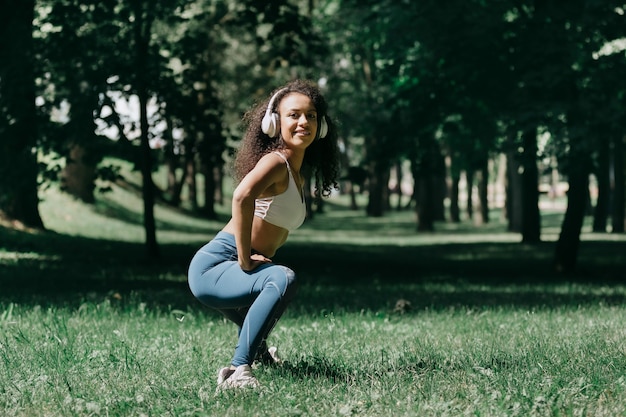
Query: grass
x,y
89,327
101,359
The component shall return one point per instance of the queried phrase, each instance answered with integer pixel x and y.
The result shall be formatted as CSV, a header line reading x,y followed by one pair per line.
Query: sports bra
x,y
286,210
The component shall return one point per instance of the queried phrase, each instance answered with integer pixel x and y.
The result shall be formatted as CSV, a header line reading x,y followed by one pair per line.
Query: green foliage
x,y
398,74
407,80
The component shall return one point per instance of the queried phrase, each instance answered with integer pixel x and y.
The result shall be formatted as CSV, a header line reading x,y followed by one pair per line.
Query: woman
x,y
287,139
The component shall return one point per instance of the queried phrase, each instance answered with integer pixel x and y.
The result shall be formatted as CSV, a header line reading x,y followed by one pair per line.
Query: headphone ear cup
x,y
323,128
270,125
275,125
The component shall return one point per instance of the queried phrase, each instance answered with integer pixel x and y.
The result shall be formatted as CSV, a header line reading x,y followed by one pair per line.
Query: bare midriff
x,y
266,237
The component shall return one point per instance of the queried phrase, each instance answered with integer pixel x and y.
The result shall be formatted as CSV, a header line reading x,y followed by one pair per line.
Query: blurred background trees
x,y
503,100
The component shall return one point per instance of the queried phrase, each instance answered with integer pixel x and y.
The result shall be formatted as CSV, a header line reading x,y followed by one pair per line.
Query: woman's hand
x,y
255,261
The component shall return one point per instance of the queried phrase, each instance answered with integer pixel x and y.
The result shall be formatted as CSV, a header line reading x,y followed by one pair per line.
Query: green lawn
x,y
90,327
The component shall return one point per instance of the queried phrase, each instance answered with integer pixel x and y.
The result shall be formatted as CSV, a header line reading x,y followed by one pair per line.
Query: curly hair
x,y
321,159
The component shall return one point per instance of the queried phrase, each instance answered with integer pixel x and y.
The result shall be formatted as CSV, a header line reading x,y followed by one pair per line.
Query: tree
x,y
361,89
584,37
618,212
193,102
74,42
18,115
92,73
566,251
531,220
143,14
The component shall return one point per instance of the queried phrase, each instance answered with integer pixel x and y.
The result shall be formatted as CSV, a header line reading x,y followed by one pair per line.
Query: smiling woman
x,y
287,138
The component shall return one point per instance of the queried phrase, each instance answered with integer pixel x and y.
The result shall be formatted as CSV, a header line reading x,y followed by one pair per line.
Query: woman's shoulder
x,y
271,163
273,159
269,173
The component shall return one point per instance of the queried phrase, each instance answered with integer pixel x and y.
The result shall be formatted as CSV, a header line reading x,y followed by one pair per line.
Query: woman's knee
x,y
286,281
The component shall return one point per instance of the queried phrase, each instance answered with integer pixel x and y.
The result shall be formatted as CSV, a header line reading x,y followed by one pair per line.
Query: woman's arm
x,y
269,171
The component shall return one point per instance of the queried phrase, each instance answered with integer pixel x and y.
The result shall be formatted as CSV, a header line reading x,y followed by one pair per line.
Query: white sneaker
x,y
273,352
270,357
223,375
241,377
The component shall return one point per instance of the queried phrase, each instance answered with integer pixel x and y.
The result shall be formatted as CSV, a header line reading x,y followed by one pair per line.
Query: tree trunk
x,y
209,192
603,177
142,39
176,198
351,179
353,203
18,120
619,187
190,180
499,186
172,165
173,187
147,183
376,201
469,181
513,193
308,198
440,186
455,212
77,178
566,252
398,188
483,192
423,192
385,190
424,206
482,180
218,177
455,178
531,222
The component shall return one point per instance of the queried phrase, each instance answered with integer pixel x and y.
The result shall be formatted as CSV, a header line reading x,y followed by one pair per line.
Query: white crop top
x,y
286,210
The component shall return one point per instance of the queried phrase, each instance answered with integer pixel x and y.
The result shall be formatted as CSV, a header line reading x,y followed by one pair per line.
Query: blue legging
x,y
254,300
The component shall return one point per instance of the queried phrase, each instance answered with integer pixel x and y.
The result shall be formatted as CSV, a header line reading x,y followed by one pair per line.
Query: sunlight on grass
x,y
101,359
66,215
117,215
7,257
89,327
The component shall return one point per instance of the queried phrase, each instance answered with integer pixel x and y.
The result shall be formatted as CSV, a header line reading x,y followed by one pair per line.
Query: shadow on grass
x,y
49,268
316,367
113,209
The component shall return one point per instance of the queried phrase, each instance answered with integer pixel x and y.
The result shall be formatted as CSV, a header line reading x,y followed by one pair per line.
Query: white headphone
x,y
270,125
